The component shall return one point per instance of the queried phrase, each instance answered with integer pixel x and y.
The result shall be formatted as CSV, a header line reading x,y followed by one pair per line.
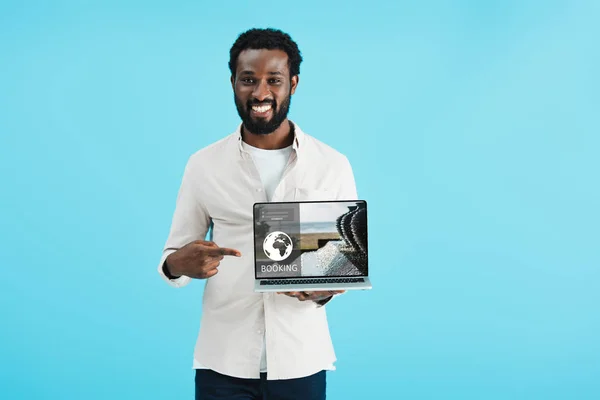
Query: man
x,y
254,345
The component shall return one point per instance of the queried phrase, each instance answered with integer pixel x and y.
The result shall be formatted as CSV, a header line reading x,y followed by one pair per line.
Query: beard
x,y
262,126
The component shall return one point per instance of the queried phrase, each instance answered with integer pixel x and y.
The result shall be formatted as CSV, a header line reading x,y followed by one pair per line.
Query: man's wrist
x,y
167,272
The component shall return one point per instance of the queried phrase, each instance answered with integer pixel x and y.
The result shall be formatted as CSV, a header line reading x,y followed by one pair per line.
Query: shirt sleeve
x,y
190,222
347,189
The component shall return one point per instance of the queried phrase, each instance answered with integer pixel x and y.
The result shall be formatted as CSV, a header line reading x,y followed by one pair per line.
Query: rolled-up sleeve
x,y
190,221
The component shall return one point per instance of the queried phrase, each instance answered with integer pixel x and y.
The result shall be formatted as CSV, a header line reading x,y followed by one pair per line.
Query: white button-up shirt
x,y
219,188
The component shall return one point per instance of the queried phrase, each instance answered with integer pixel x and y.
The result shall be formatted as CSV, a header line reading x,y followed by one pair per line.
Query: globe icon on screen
x,y
277,246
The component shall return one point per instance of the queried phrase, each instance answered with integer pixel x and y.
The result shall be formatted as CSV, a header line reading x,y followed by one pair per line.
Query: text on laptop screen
x,y
311,239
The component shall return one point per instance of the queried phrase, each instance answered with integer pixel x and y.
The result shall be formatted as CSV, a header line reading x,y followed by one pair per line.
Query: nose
x,y
261,91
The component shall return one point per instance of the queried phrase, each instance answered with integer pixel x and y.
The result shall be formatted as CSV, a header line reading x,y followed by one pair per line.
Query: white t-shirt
x,y
271,165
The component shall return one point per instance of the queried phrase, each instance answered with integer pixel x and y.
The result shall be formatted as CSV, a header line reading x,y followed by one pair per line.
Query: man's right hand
x,y
198,259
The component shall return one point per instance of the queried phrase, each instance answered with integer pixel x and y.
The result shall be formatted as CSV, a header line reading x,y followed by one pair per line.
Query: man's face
x,y
263,89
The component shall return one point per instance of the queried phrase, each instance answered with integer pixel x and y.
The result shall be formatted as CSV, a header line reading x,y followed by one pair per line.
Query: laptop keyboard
x,y
310,281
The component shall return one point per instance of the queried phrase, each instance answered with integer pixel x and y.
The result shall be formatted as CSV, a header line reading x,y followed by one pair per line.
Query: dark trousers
x,y
211,385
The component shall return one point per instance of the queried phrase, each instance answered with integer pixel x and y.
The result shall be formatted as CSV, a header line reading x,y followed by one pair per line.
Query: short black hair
x,y
270,39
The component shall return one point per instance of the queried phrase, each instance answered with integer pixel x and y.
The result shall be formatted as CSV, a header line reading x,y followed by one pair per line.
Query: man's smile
x,y
262,110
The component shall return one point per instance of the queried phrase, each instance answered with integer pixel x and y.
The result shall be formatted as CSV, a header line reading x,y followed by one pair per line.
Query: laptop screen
x,y
310,239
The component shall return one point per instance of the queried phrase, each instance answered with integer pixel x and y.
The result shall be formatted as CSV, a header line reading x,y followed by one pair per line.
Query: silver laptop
x,y
311,246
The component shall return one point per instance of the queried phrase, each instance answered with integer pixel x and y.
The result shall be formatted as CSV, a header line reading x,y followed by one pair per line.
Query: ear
x,y
295,80
232,80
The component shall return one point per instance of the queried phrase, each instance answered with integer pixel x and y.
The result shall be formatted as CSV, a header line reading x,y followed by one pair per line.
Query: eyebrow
x,y
246,72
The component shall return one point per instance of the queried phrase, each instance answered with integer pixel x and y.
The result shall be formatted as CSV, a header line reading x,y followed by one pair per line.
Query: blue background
x,y
472,127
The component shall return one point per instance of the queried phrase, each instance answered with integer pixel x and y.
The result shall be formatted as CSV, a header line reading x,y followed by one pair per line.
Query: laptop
x,y
311,246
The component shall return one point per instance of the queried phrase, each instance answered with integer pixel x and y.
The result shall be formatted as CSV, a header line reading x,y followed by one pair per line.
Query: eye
x,y
247,81
275,81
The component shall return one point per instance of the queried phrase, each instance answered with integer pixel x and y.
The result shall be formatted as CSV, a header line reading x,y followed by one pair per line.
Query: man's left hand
x,y
314,296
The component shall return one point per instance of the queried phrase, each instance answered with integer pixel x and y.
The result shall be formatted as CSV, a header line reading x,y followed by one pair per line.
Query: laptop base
x,y
299,284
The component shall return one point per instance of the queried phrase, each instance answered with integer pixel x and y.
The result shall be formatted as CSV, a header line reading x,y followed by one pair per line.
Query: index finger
x,y
223,251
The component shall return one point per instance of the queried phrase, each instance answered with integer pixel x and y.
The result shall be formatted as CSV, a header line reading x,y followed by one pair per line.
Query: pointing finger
x,y
223,251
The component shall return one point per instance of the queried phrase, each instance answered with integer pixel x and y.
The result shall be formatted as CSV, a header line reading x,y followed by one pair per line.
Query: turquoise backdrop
x,y
472,127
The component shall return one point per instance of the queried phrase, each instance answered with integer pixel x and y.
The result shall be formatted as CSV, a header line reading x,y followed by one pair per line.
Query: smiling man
x,y
254,345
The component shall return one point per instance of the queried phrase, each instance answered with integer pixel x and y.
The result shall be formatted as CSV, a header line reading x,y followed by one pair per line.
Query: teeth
x,y
261,109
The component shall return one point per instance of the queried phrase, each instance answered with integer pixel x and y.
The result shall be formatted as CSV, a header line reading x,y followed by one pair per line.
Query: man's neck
x,y
282,137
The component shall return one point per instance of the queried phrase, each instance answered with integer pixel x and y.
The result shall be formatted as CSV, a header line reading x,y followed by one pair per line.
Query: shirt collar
x,y
296,145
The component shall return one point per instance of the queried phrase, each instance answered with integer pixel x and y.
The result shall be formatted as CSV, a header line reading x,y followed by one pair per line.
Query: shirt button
x,y
259,190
